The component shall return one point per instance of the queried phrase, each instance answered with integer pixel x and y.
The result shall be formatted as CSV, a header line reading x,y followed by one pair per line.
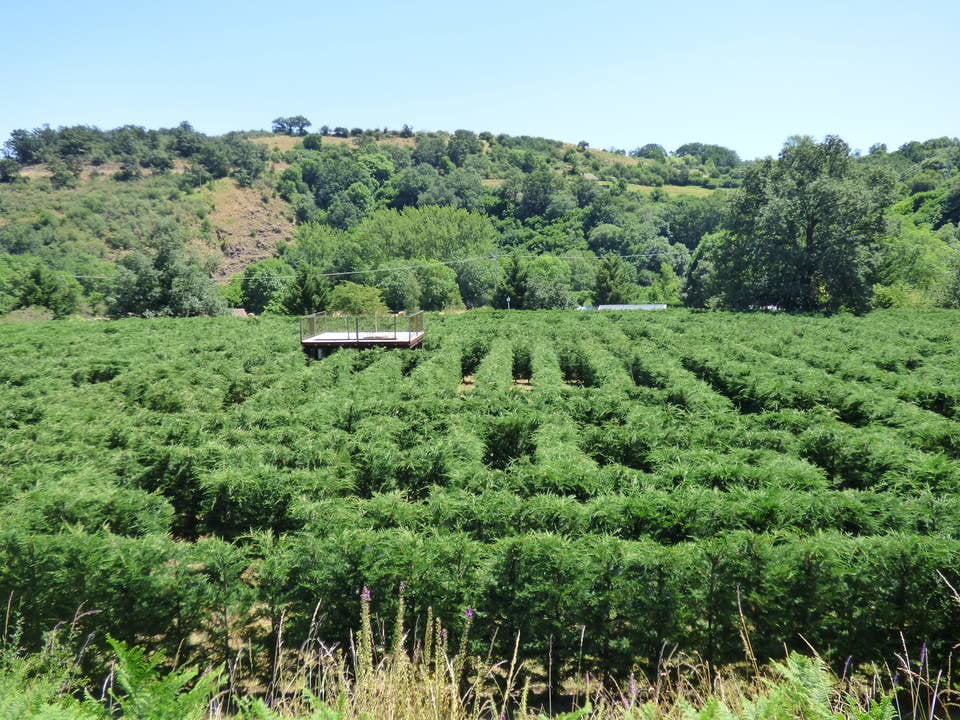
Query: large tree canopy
x,y
163,280
294,125
800,233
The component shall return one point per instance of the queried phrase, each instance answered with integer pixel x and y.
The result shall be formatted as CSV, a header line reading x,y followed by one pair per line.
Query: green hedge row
x,y
667,516
593,601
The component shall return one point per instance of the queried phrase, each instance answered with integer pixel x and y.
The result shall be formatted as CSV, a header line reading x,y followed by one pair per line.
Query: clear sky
x,y
744,74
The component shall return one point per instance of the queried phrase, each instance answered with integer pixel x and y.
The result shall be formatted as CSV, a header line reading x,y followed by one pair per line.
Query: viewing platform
x,y
322,333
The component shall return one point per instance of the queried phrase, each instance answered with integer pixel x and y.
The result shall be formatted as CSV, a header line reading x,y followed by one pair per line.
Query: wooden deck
x,y
399,339
318,338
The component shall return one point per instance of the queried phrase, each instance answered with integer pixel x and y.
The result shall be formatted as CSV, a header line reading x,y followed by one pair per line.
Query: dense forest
x,y
125,222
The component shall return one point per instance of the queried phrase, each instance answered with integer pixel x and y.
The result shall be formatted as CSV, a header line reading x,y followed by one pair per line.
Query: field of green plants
x,y
609,486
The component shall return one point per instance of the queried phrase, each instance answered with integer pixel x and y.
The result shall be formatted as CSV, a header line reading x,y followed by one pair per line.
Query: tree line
x,y
818,228
66,150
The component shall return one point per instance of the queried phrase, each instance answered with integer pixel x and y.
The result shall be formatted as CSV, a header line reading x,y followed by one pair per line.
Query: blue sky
x,y
743,73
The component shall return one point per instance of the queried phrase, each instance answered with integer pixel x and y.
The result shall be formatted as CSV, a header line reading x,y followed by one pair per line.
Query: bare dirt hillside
x,y
248,224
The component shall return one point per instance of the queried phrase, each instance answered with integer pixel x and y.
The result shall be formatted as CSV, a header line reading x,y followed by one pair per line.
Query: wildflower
x,y
365,594
634,692
469,613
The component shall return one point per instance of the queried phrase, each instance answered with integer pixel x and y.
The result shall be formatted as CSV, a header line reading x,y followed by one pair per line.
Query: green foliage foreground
x,y
607,486
431,680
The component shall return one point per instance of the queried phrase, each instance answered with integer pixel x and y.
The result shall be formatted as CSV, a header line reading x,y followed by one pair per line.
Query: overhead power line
x,y
404,268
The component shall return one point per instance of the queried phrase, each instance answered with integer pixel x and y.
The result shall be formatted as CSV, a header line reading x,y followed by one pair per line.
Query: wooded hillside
x,y
136,221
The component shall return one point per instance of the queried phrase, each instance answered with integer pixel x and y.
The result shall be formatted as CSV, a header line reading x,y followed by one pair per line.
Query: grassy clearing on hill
x,y
676,190
279,143
613,158
283,143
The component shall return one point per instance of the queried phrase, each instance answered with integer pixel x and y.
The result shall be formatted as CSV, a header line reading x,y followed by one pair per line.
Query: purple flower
x,y
365,594
469,613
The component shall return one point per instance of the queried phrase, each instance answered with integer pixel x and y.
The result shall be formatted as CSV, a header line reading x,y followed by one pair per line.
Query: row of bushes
x,y
617,491
595,602
365,429
666,516
564,493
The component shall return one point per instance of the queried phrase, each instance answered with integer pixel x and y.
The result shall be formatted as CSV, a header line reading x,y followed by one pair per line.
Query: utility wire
x,y
403,268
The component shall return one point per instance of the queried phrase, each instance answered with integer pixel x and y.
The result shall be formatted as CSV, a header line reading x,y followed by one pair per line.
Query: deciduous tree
x,y
262,281
163,280
548,284
26,146
438,286
353,299
801,231
462,144
293,125
9,170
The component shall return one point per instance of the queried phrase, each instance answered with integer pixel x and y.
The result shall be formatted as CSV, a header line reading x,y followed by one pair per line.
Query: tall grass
x,y
425,673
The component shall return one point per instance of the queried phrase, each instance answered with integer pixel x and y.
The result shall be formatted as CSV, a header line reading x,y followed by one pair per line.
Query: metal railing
x,y
416,322
358,327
